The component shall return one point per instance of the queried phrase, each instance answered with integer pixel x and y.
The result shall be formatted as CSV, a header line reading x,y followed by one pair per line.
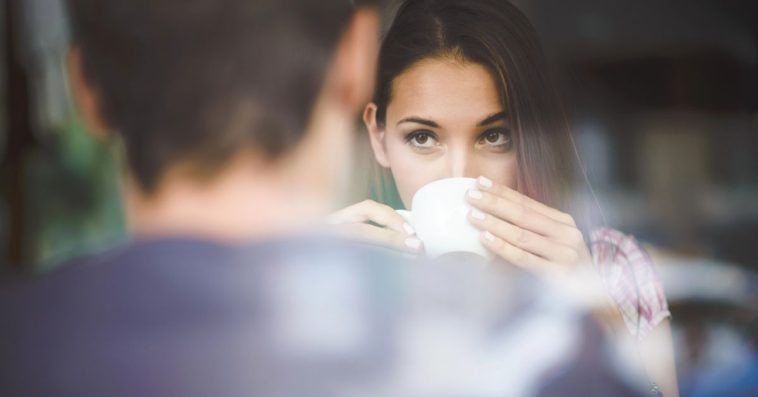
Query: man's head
x,y
193,84
198,80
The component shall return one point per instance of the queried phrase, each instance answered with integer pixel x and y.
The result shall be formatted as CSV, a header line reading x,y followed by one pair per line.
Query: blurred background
x,y
664,96
664,103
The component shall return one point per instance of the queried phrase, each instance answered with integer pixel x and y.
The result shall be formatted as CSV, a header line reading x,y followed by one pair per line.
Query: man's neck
x,y
246,201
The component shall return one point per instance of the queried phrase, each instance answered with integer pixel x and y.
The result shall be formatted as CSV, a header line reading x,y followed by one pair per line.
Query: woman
x,y
463,91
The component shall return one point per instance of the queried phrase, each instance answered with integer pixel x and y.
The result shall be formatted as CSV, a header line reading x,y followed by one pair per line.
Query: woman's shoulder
x,y
631,278
609,241
611,246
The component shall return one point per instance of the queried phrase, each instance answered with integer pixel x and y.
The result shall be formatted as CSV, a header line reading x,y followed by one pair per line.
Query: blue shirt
x,y
305,317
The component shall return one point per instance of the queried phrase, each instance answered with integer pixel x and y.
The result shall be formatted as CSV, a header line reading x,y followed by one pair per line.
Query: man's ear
x,y
85,97
376,135
355,63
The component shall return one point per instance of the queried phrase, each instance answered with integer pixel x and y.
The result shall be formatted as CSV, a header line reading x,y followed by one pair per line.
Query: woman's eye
x,y
421,139
497,138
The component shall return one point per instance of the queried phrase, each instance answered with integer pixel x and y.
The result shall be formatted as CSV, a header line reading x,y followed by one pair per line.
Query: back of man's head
x,y
195,81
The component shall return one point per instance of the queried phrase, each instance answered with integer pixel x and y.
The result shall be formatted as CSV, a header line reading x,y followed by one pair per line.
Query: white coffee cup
x,y
439,214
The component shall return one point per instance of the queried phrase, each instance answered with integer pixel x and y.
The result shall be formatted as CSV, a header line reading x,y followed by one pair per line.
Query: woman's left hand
x,y
525,232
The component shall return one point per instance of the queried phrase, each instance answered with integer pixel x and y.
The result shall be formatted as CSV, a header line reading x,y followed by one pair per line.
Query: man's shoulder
x,y
144,308
177,275
176,260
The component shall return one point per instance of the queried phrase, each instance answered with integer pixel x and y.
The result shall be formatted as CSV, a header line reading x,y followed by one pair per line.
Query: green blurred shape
x,y
74,202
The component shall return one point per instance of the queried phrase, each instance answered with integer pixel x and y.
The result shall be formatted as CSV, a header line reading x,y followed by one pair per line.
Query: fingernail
x,y
485,182
413,243
476,214
409,229
475,194
489,236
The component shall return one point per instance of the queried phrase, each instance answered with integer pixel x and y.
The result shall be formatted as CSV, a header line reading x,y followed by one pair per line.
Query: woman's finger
x,y
524,259
526,240
522,216
371,211
380,236
515,255
514,196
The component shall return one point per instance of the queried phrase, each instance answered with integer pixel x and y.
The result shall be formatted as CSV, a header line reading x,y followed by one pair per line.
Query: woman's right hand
x,y
389,229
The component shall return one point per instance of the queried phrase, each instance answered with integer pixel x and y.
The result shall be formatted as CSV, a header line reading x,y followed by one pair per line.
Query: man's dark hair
x,y
198,80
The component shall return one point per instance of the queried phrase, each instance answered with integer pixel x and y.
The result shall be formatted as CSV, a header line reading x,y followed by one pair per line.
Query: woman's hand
x,y
526,232
389,229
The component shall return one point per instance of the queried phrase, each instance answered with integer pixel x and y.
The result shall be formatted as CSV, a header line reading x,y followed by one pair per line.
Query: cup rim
x,y
436,182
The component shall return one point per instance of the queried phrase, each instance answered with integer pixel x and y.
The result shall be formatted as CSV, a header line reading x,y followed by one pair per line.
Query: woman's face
x,y
444,119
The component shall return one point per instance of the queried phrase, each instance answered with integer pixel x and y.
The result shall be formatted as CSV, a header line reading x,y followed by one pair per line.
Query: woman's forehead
x,y
444,89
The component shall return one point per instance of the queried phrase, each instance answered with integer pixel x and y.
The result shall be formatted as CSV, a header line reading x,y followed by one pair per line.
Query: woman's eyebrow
x,y
493,118
419,120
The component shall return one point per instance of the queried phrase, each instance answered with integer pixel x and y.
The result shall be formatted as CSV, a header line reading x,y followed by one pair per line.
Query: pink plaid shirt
x,y
631,279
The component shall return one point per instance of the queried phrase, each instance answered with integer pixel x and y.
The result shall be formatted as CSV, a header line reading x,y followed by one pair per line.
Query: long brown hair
x,y
495,34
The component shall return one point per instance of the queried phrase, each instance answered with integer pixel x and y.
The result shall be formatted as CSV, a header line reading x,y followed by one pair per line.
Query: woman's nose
x,y
463,164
